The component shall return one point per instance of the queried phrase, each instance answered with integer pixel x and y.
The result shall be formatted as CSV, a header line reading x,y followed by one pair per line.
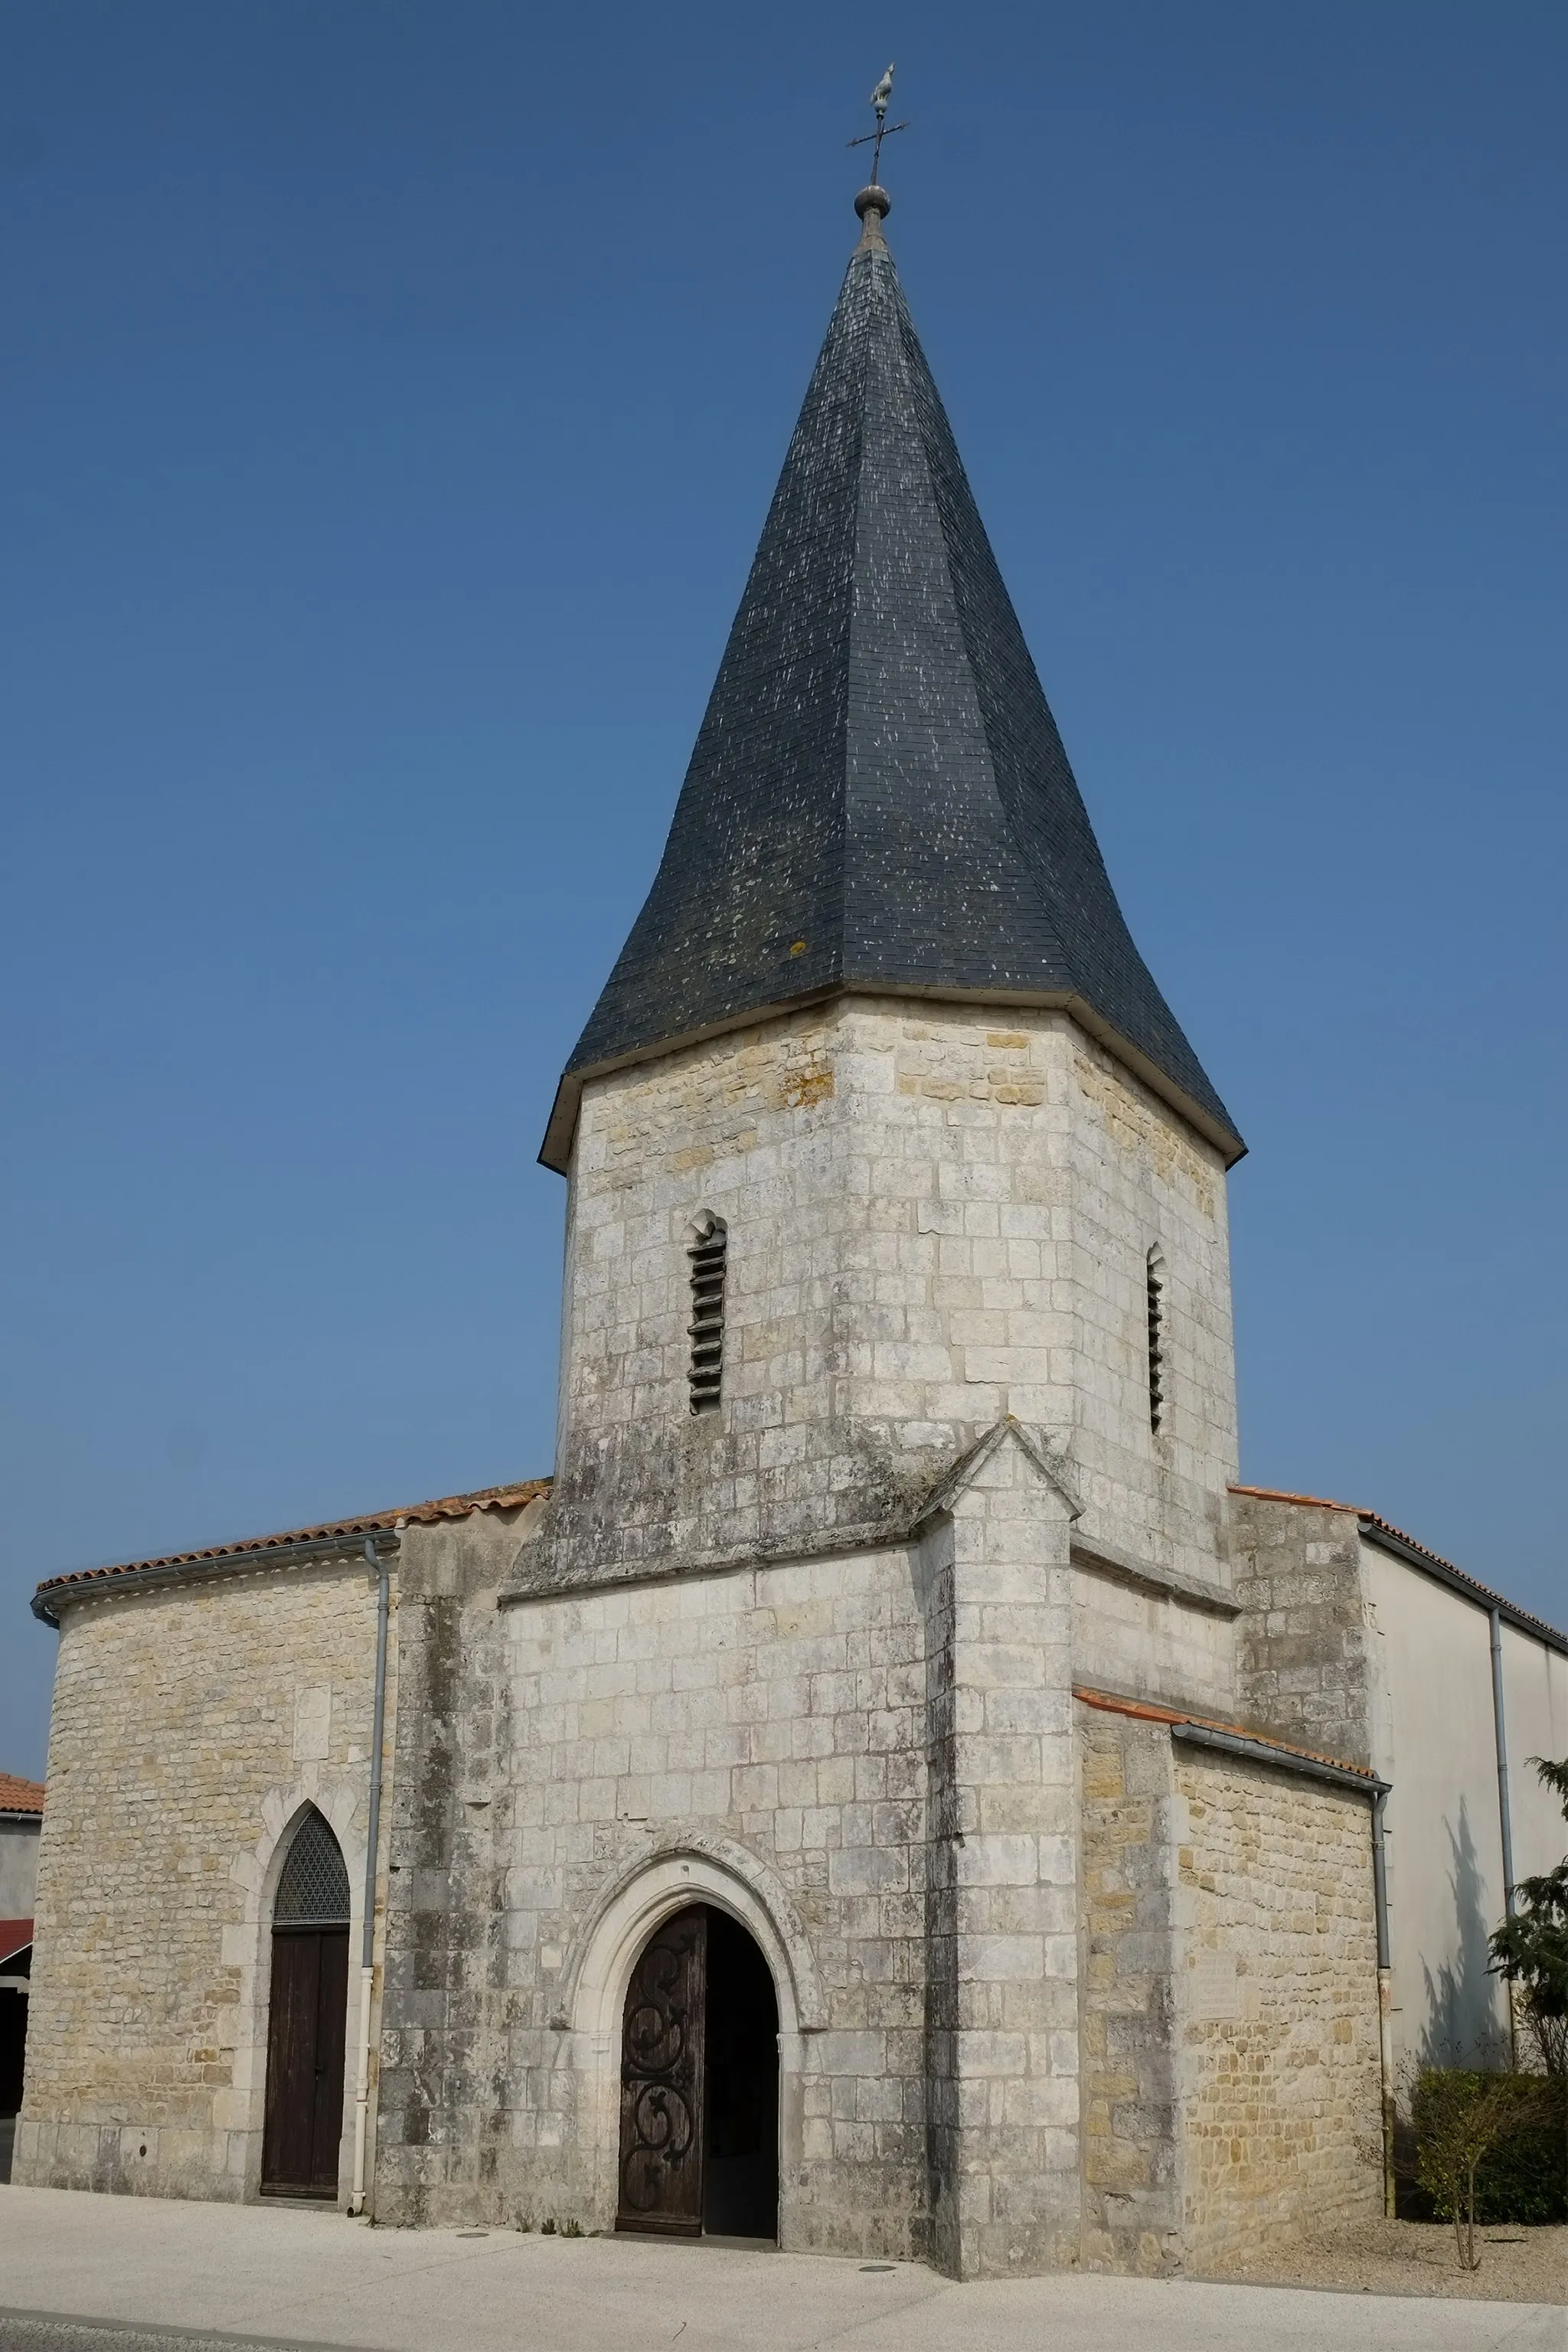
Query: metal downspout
x,y
1500,1726
1385,1995
1505,1818
367,1953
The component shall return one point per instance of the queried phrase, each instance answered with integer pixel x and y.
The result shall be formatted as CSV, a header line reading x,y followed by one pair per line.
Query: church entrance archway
x,y
700,2083
306,2017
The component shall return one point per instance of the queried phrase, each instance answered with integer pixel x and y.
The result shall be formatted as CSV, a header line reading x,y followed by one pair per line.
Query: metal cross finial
x,y
885,129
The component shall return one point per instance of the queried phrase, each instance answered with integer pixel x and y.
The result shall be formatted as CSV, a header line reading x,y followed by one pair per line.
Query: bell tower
x,y
881,1133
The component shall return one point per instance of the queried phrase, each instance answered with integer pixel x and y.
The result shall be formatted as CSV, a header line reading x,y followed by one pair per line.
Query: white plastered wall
x,y
1535,1702
1444,1830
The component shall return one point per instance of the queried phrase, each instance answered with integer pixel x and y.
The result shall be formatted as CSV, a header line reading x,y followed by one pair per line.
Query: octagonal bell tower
x,y
882,1131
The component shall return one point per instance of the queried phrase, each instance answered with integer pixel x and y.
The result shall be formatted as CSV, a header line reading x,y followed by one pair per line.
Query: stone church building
x,y
892,1789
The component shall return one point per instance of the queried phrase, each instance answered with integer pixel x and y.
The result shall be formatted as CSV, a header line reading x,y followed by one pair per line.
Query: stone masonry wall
x,y
1277,2001
1002,2006
441,2152
1143,1646
191,1723
935,1219
1132,2203
1304,1641
547,1750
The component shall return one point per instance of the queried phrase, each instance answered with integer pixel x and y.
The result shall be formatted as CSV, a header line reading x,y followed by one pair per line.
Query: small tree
x,y
1459,2119
1530,1951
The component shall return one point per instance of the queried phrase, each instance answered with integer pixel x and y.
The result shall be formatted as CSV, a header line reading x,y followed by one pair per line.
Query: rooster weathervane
x,y
885,129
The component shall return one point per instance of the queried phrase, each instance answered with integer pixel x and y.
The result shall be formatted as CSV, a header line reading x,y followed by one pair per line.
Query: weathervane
x,y
885,129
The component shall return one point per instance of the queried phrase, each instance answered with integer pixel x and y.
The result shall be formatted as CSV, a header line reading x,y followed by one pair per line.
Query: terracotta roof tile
x,y
447,1506
20,1796
1151,1711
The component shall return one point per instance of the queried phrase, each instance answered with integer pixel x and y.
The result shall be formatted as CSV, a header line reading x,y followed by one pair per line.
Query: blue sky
x,y
393,396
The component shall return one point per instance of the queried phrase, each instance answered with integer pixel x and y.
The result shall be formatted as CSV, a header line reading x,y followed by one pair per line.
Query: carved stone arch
x,y
683,1865
690,1864
341,1799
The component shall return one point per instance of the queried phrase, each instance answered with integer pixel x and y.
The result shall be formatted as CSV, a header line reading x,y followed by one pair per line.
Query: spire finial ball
x,y
873,199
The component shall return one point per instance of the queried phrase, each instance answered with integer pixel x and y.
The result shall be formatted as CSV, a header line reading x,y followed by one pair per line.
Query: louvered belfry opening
x,y
708,1252
1156,1286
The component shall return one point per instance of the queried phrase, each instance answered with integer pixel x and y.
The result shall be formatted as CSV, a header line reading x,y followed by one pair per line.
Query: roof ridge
x,y
444,1506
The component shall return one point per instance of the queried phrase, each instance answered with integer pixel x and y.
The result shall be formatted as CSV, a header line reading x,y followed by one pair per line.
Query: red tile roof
x,y
15,1935
1150,1711
448,1506
20,1796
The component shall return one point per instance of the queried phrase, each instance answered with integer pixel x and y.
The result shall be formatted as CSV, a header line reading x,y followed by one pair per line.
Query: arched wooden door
x,y
699,2081
306,2018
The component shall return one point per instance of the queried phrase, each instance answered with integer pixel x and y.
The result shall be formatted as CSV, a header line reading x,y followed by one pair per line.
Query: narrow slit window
x,y
708,1252
1155,1274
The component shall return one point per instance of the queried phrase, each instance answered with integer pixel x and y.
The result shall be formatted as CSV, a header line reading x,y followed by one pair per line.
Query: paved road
x,y
172,2278
24,2331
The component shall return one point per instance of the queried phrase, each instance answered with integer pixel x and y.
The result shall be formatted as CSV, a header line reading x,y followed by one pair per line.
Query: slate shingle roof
x,y
878,798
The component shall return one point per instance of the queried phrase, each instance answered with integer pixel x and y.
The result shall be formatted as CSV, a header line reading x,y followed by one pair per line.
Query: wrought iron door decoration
x,y
661,2081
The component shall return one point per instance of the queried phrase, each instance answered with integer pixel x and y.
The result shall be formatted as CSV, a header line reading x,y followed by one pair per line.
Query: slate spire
x,y
878,799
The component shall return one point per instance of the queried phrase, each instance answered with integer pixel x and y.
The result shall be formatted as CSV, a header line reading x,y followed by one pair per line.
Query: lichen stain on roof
x,y
447,1506
878,799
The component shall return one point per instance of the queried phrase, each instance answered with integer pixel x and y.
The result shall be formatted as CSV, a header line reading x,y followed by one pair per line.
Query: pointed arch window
x,y
1155,1280
313,1890
708,1250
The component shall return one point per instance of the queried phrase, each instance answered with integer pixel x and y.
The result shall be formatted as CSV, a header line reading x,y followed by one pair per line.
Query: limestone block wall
x,y
1133,2218
936,1218
1276,2004
767,1728
1002,2052
449,2005
1308,1656
1142,1177
191,1724
1143,1646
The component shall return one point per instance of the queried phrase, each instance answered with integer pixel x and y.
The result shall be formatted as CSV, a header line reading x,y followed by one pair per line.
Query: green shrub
x,y
1511,2125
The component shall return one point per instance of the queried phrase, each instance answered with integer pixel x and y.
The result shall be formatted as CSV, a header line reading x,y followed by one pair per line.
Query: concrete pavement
x,y
288,2277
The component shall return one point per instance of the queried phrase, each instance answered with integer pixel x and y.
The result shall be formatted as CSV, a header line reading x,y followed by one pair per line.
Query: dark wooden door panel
x,y
662,2081
332,2024
307,2023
